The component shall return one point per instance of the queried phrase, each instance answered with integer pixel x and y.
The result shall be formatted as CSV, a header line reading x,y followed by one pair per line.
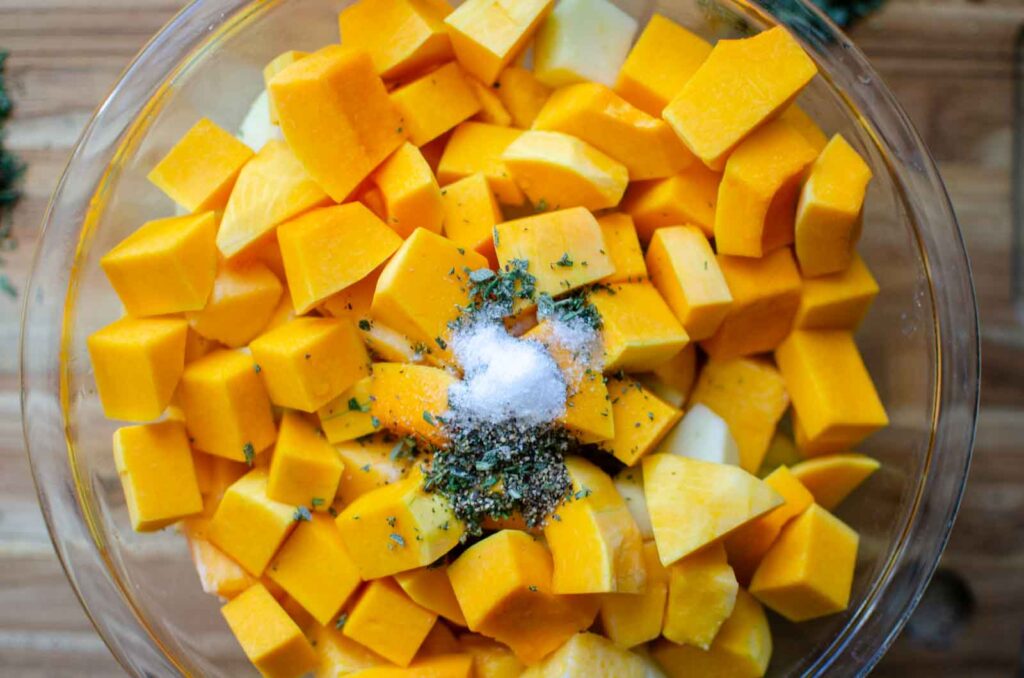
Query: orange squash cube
x,y
348,417
339,656
701,595
241,304
629,619
407,399
435,103
354,301
271,640
478,147
218,574
492,110
802,123
275,66
490,659
402,37
673,379
831,478
523,95
249,526
430,587
837,301
436,666
689,197
305,469
641,419
487,34
470,214
411,196
623,246
639,330
369,464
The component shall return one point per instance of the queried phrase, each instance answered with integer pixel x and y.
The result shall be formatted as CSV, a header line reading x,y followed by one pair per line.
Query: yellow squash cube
x,y
275,66
808,572
200,170
523,95
159,480
227,411
218,574
837,301
629,483
166,266
802,123
354,301
440,666
673,379
435,103
369,465
492,111
244,298
478,147
689,197
337,117
269,637
834,399
630,619
830,479
402,37
623,246
338,656
588,654
641,418
487,34
137,364
407,399
196,346
470,214
328,249
385,620
411,196
430,587
639,330
490,659
305,469
348,417
701,595
249,526
308,362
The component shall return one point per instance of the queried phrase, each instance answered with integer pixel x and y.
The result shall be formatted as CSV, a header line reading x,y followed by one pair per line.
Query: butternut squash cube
x,y
490,659
388,345
701,595
272,188
305,469
808,571
402,37
595,544
689,197
271,640
831,479
833,395
315,569
718,106
243,299
421,288
747,545
629,619
227,411
692,503
196,346
407,399
582,40
503,585
765,297
339,656
639,331
702,435
218,574
200,170
435,103
662,60
492,110
440,666
673,380
275,66
487,34
684,270
430,588
523,95
386,621
137,363
630,486
588,654
750,396
398,527
478,147
555,169
310,361
742,648
166,266
248,526
828,218
348,417
758,195
837,301
470,214
328,249
594,113
369,465
641,418
354,301
623,247
802,123
336,116
159,480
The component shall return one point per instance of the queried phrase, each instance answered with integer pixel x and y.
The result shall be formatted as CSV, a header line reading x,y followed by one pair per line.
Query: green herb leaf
x,y
249,452
302,513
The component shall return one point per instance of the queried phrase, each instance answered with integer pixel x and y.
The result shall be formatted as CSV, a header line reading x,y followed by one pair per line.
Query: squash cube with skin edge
x,y
348,417
430,588
503,585
594,113
227,411
305,469
272,188
470,214
386,621
492,110
629,484
750,395
369,465
407,399
757,199
271,640
478,147
490,659
435,103
702,435
159,480
742,648
336,116
415,28
559,171
523,95
315,569
329,249
241,304
717,107
683,268
487,34
641,420
831,479
412,198
582,40
808,571
595,544
828,217
308,362
200,170
834,399
673,380
639,330
837,301
248,526
630,619
662,60
137,364
588,654
689,197
275,66
623,247
701,594
692,503
765,298
166,266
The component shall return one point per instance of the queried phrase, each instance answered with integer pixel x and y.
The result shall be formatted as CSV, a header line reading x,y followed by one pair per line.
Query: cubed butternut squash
x,y
369,464
837,301
639,330
702,435
439,666
275,66
492,110
407,399
490,659
582,40
218,574
689,197
305,469
435,103
470,214
430,588
402,37
673,379
348,417
487,34
243,299
339,656
629,619
623,247
271,640
523,95
641,419
478,147
388,622
702,593
831,478
248,525
630,485
805,125
588,654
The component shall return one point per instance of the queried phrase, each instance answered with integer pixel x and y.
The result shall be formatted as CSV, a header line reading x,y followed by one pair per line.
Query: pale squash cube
x,y
430,588
582,40
248,526
701,595
639,330
348,417
523,95
218,574
588,654
831,478
402,37
490,659
630,486
412,198
435,103
369,464
271,640
244,297
478,147
703,435
641,419
673,380
629,619
470,214
305,469
388,622
837,301
689,197
408,399
487,34
623,246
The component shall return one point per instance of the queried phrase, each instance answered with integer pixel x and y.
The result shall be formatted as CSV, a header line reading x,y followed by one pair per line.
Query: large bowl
x,y
920,340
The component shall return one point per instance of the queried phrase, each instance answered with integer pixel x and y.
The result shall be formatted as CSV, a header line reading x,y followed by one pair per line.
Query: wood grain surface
x,y
951,64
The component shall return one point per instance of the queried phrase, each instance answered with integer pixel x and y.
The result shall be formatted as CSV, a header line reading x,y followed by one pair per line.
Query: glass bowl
x,y
920,340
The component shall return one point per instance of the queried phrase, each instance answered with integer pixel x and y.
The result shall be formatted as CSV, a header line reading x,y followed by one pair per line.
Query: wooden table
x,y
949,61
